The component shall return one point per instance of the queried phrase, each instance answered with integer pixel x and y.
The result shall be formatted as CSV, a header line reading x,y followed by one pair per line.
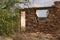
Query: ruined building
x,y
51,23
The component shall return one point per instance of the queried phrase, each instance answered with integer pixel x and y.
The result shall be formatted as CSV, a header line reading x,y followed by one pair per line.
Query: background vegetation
x,y
9,17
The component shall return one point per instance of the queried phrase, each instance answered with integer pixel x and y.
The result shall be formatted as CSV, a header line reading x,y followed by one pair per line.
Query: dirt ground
x,y
31,36
36,36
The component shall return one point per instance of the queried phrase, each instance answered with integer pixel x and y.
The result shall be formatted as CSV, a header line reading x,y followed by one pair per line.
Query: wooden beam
x,y
37,8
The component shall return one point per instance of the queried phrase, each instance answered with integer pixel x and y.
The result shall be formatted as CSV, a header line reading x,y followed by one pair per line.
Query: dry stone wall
x,y
50,25
31,20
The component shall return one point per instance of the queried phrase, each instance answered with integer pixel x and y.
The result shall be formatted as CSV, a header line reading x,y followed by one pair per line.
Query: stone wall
x,y
50,25
33,23
31,20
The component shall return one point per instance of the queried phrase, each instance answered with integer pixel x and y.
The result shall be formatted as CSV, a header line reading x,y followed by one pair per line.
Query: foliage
x,y
8,20
13,3
9,16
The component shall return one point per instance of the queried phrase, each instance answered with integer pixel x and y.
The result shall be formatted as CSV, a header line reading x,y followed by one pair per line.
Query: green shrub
x,y
8,22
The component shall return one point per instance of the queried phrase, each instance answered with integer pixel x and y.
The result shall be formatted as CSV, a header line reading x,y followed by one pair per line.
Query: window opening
x,y
42,14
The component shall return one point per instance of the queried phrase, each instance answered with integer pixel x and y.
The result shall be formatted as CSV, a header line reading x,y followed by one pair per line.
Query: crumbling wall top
x,y
57,4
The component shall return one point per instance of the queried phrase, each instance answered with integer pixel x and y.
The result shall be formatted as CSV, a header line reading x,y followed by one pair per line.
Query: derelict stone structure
x,y
50,25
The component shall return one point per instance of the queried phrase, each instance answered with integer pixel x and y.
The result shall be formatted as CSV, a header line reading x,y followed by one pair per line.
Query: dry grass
x,y
31,36
35,36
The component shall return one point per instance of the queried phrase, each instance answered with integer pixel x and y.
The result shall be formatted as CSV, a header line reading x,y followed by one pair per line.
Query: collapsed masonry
x,y
50,25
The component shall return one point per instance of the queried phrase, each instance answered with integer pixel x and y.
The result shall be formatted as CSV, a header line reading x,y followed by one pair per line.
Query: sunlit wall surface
x,y
23,20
